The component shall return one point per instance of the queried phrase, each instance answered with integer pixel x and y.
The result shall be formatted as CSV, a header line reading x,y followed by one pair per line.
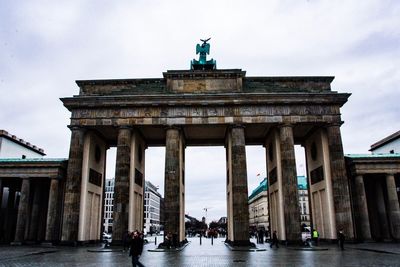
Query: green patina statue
x,y
203,63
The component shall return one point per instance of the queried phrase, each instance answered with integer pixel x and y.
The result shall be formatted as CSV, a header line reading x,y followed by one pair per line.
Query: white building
x,y
388,145
258,207
108,205
14,147
151,208
304,204
258,204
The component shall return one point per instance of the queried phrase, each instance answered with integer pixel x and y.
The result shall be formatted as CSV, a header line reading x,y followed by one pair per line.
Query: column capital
x,y
124,127
76,128
235,126
173,127
285,124
333,124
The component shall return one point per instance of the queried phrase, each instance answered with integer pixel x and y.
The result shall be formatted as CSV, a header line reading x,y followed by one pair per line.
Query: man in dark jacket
x,y
274,240
341,238
136,249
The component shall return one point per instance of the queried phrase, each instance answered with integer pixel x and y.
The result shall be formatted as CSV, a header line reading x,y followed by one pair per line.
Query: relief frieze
x,y
299,111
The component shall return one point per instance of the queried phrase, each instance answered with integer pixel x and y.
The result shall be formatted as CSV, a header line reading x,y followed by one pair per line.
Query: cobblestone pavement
x,y
367,254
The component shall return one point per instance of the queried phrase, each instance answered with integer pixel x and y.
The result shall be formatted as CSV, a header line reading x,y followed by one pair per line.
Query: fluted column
x,y
1,201
340,186
240,211
393,207
73,187
361,202
237,191
33,228
8,220
22,216
172,183
121,187
289,184
52,211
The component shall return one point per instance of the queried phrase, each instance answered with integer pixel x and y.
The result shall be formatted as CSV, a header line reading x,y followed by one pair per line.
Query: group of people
x,y
315,239
134,241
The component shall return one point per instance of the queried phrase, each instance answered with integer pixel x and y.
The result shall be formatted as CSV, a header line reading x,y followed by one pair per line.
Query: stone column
x,y
1,195
340,186
240,204
73,187
22,212
1,203
33,228
121,187
52,211
9,218
393,207
172,184
289,185
361,202
383,221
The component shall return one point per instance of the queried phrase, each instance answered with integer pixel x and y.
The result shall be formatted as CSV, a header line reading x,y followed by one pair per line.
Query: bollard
x,y
155,241
200,240
212,240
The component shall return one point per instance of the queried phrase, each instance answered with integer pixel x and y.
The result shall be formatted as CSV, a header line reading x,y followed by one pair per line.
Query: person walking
x,y
315,237
136,249
126,240
341,238
261,236
274,240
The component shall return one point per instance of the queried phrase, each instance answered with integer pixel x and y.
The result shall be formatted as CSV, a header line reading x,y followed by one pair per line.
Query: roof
x,y
385,140
385,155
21,142
302,182
263,186
27,160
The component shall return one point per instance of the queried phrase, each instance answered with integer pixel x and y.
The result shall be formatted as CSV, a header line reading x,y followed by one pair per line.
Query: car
x,y
306,235
107,238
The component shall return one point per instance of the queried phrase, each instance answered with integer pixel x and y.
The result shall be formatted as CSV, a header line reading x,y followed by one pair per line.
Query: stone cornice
x,y
201,74
33,169
206,99
373,165
81,83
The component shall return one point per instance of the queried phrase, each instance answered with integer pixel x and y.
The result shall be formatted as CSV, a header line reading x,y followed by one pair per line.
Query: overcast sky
x,y
47,45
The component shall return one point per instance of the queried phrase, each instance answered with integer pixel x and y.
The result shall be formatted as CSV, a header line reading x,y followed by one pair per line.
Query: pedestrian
x,y
341,238
261,236
136,249
315,237
274,240
126,240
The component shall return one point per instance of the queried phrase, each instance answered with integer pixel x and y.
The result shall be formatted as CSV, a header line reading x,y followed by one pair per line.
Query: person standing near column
x,y
274,240
341,238
136,249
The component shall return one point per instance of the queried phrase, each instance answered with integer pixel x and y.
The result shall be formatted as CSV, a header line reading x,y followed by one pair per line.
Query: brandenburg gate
x,y
205,106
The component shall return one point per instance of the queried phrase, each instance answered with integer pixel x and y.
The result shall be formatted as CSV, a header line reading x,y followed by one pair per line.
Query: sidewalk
x,y
366,254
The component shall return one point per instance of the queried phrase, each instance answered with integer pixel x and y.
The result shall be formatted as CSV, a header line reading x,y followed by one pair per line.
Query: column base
x,y
16,243
240,243
47,244
70,243
169,245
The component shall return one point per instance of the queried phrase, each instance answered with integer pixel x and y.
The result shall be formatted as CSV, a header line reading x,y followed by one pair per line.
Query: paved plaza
x,y
218,254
